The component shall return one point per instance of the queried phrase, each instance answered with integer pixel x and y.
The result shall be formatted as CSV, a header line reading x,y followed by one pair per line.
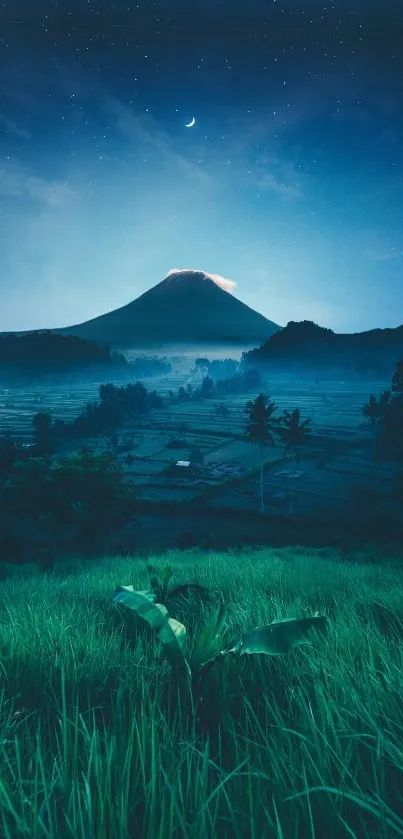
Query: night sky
x,y
290,183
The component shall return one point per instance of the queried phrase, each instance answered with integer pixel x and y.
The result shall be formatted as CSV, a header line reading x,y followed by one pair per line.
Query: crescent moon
x,y
191,123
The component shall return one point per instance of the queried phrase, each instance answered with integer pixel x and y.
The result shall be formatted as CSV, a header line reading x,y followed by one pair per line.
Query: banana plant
x,y
160,586
277,638
169,631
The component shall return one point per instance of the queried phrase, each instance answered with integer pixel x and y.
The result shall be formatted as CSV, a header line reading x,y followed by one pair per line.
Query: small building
x,y
186,467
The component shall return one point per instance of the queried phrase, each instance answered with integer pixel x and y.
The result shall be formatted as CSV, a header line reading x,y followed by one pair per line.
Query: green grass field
x,y
99,740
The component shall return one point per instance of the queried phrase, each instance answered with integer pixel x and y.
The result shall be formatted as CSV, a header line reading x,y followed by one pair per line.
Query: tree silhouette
x,y
8,454
371,411
397,379
391,429
207,386
260,428
375,409
42,423
87,492
293,431
391,418
182,395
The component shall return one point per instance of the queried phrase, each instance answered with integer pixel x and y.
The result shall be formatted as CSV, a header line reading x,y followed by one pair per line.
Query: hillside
x,y
25,356
306,345
187,307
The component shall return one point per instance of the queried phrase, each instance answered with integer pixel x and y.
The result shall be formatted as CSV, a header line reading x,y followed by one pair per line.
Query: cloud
x,y
18,181
269,174
13,128
269,182
150,139
222,282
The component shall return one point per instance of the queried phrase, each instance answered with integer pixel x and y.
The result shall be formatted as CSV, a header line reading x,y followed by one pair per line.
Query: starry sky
x,y
290,183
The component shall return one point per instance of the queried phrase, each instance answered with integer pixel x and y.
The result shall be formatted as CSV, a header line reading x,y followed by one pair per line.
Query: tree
x,y
8,455
252,378
259,430
109,393
391,418
207,386
60,431
293,432
94,488
375,410
397,379
154,400
202,364
86,493
391,430
42,423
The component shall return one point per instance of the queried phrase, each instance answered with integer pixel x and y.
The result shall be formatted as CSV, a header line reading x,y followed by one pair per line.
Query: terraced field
x,y
335,408
230,474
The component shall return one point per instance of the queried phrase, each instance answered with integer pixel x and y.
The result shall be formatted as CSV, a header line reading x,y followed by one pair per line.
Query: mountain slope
x,y
186,307
305,344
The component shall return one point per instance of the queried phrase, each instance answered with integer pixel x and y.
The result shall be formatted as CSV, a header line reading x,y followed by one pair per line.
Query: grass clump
x,y
98,741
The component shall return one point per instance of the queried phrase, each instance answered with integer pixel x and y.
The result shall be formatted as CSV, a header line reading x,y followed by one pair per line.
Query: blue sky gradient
x,y
290,184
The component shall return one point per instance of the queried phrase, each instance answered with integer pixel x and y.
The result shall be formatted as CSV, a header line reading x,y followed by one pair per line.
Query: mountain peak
x,y
183,275
187,307
192,278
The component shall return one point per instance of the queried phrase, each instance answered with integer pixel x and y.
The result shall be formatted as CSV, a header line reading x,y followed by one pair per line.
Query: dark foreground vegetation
x,y
103,737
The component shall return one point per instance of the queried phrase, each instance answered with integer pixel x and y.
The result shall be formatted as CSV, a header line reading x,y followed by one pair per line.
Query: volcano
x,y
187,307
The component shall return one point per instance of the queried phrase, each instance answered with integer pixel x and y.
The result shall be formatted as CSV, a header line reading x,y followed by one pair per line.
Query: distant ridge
x,y
304,344
187,307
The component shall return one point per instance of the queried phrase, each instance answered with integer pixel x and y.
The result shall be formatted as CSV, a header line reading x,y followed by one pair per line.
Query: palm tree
x,y
293,432
391,428
397,379
259,429
375,410
42,424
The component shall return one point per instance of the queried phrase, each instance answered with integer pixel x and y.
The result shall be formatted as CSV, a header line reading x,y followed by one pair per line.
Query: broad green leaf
x,y
150,595
207,644
171,633
280,636
178,628
166,574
